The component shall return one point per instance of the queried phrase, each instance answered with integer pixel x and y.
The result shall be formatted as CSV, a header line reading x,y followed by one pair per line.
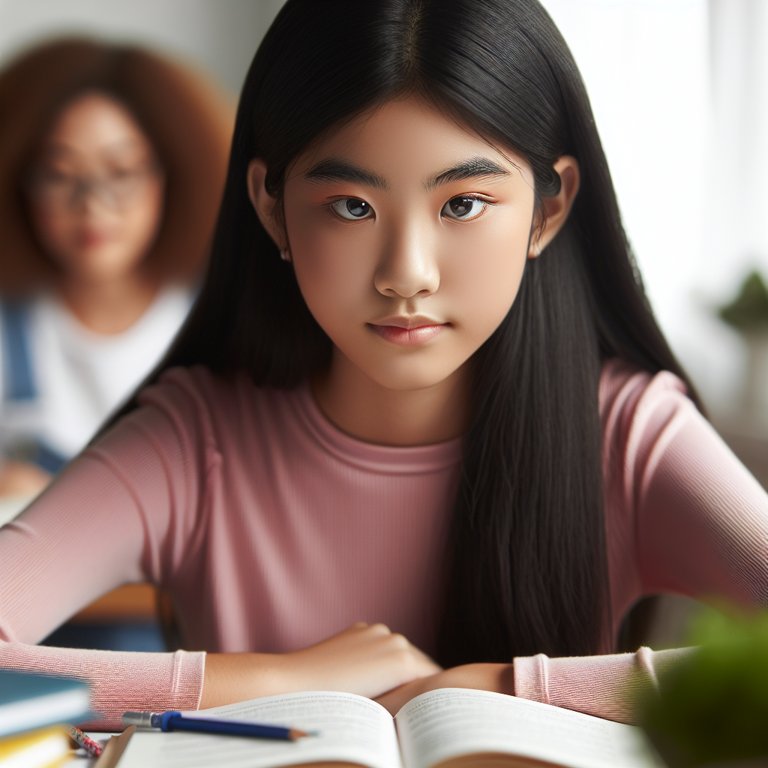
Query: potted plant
x,y
712,710
748,314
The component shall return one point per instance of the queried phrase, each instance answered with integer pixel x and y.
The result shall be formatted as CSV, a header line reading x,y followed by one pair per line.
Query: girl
x,y
421,428
112,160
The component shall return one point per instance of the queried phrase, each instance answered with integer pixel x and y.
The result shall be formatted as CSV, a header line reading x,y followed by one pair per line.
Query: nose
x,y
91,193
408,266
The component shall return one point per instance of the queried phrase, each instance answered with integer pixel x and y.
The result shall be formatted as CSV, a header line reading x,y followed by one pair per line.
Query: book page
x,y
444,724
351,729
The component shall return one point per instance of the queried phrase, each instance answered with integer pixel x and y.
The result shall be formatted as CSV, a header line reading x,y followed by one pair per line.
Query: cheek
x,y
484,269
52,230
332,263
332,287
140,225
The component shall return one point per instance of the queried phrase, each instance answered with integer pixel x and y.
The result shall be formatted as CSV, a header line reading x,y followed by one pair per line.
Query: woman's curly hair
x,y
186,117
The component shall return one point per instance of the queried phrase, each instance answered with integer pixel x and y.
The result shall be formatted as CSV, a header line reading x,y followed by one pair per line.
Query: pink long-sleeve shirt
x,y
273,530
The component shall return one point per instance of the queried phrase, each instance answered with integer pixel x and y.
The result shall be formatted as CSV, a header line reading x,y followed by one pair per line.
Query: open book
x,y
445,727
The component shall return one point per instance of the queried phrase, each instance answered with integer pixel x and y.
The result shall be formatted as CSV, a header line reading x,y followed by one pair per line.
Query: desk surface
x,y
129,602
78,761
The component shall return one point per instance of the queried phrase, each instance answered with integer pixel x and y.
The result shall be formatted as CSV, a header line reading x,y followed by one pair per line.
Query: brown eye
x,y
351,208
464,207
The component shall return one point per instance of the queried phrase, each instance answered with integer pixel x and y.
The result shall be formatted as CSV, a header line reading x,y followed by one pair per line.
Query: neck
x,y
368,411
108,306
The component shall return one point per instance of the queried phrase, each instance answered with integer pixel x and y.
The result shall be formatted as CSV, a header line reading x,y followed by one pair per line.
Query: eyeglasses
x,y
117,189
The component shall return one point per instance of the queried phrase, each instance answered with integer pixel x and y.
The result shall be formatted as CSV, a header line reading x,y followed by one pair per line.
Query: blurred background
x,y
680,94
218,35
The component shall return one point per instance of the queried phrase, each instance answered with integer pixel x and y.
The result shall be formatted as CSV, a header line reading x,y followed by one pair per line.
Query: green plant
x,y
713,707
749,310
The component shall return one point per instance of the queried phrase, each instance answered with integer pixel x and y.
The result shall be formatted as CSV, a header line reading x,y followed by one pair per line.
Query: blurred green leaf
x,y
713,707
749,310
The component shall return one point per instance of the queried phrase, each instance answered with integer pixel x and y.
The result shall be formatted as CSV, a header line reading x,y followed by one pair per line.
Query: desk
x,y
79,759
129,602
122,620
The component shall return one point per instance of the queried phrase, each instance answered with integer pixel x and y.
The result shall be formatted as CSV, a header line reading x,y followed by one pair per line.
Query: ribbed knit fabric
x,y
272,530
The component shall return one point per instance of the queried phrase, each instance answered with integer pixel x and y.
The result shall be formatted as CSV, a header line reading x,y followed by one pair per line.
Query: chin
x,y
104,267
413,378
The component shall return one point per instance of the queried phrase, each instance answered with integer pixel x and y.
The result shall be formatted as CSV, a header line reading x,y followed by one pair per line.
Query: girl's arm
x,y
127,510
684,516
605,686
95,527
701,518
366,659
695,522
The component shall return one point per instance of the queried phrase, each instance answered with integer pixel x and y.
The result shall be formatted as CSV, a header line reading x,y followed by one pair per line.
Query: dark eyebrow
x,y
473,168
340,170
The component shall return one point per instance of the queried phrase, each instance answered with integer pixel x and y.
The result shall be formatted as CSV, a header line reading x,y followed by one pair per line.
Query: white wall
x,y
220,35
678,88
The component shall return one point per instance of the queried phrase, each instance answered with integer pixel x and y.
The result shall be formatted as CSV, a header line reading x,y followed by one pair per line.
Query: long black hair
x,y
527,569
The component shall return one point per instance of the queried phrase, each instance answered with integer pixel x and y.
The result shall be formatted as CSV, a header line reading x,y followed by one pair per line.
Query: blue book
x,y
29,701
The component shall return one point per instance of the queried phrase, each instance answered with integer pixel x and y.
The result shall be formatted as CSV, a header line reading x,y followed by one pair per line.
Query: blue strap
x,y
47,458
19,381
19,378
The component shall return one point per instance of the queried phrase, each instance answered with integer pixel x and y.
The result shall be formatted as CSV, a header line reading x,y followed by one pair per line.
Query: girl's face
x,y
96,194
408,235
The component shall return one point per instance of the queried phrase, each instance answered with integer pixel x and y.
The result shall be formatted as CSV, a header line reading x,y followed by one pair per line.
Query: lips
x,y
407,321
410,330
92,238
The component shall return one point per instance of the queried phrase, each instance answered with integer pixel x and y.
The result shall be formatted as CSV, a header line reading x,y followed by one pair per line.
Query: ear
x,y
264,204
556,208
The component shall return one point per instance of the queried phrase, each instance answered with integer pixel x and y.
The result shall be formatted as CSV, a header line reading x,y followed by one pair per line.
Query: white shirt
x,y
82,376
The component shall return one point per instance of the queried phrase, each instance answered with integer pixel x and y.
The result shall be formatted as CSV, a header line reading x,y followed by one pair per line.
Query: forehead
x,y
95,122
405,135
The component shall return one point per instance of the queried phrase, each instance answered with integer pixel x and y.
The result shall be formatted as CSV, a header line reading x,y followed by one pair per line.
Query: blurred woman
x,y
112,162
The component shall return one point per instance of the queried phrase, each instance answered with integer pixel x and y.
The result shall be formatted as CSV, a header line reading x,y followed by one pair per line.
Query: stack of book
x,y
34,710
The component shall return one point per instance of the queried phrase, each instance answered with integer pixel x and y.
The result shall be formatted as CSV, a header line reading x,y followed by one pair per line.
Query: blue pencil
x,y
175,721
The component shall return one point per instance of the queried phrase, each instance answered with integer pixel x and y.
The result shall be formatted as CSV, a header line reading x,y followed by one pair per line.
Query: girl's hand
x,y
484,677
366,659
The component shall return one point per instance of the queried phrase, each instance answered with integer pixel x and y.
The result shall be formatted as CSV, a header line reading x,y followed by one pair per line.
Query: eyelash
x,y
475,197
478,198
